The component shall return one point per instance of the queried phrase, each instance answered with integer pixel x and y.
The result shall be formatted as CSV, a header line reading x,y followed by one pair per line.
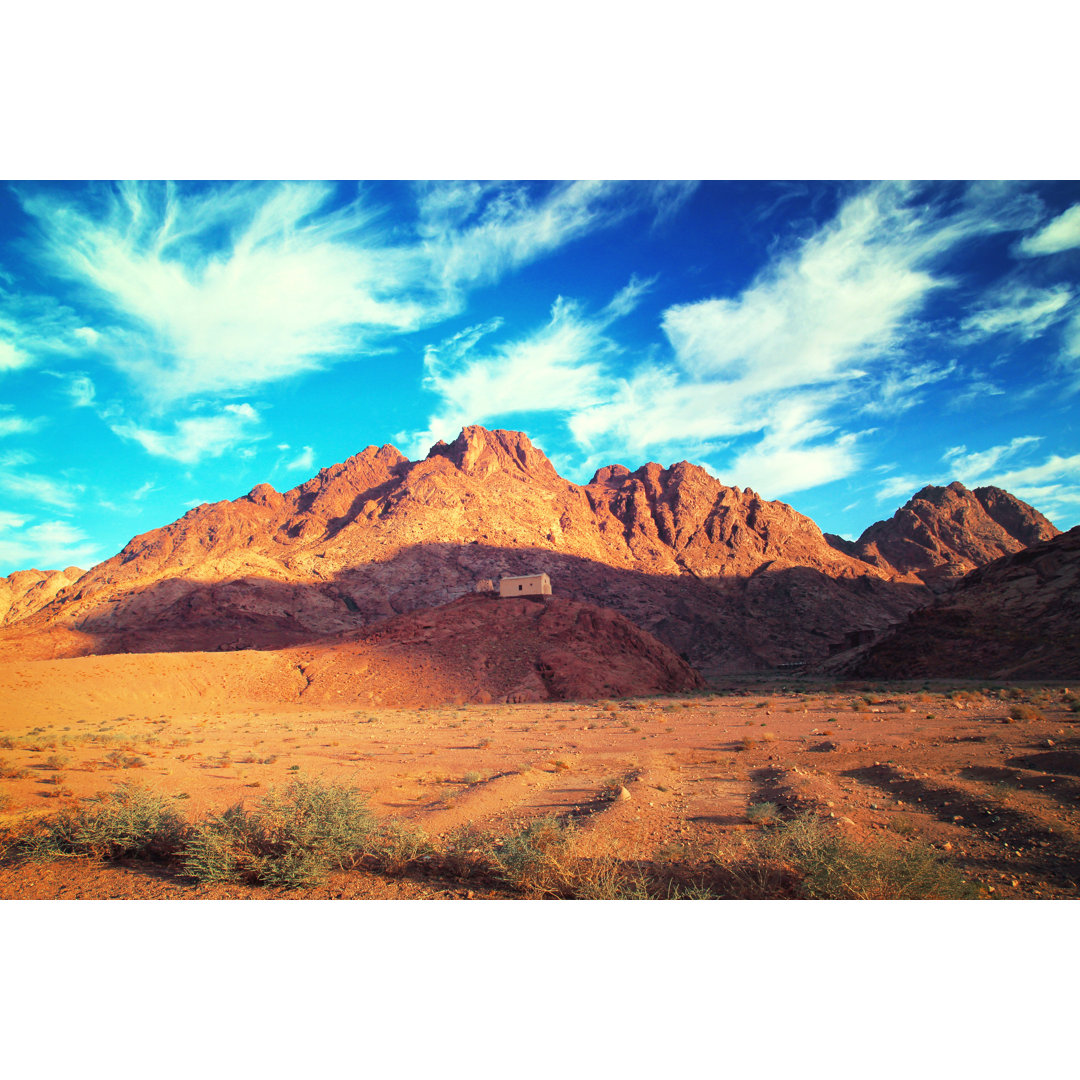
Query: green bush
x,y
129,822
293,838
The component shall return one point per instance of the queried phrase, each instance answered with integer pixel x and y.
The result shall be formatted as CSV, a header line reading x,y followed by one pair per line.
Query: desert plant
x,y
805,858
764,813
293,837
1025,712
125,761
129,821
535,861
472,778
397,845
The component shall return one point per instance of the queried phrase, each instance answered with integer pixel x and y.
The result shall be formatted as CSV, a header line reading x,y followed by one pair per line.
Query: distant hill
x,y
1015,618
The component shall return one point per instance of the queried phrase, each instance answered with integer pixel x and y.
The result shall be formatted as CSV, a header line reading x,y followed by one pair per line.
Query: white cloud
x,y
232,286
474,233
898,389
629,296
304,460
82,392
8,520
12,424
982,462
816,315
41,489
558,368
1019,309
33,327
776,466
51,545
197,437
10,357
1061,234
224,288
808,337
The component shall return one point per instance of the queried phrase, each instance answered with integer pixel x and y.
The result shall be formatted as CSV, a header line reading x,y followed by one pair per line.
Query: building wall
x,y
534,585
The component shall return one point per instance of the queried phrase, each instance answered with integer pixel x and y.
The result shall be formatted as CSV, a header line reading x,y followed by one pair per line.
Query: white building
x,y
533,585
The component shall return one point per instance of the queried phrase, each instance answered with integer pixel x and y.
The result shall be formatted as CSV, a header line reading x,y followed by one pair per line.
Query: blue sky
x,y
834,345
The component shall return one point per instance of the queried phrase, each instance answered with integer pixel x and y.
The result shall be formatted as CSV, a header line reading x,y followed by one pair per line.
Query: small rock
x,y
623,795
947,846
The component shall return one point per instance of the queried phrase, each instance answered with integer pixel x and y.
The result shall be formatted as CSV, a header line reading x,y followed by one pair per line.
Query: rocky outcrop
x,y
943,532
1015,618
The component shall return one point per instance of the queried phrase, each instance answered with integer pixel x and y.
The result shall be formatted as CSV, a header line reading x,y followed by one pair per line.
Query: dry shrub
x,y
128,822
293,838
805,859
1025,712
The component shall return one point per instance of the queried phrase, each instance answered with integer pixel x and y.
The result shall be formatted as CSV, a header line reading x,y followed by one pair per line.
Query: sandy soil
x,y
999,797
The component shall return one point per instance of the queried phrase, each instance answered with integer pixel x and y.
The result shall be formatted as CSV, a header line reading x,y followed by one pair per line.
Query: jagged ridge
x,y
733,581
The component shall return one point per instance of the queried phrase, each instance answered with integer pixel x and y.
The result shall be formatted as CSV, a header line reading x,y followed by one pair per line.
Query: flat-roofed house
x,y
533,585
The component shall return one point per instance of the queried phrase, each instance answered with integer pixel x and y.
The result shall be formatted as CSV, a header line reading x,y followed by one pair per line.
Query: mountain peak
x,y
480,452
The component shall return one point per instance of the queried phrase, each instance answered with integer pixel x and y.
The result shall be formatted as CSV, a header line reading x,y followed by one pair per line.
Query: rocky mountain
x,y
729,580
1015,618
26,591
941,533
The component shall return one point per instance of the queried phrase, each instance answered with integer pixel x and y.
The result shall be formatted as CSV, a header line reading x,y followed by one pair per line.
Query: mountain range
x,y
732,582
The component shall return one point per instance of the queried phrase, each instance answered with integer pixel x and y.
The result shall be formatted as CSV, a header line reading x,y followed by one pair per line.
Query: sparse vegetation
x,y
129,821
764,813
1024,712
805,859
293,838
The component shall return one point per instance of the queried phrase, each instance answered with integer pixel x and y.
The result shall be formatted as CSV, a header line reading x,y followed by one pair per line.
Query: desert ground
x,y
987,776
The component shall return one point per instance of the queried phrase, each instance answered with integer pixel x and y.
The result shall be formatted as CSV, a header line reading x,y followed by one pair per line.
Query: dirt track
x,y
1000,798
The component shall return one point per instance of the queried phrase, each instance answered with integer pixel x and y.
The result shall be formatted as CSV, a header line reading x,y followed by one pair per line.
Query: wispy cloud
x,y
1061,234
305,460
475,232
13,424
1018,309
17,482
218,289
34,328
214,290
824,324
82,392
196,438
50,545
559,367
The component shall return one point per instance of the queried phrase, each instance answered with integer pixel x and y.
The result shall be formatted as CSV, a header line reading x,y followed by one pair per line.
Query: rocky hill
x,y
943,532
731,581
481,648
1015,618
26,591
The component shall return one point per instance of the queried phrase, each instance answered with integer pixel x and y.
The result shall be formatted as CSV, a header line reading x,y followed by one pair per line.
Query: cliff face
x,y
1015,618
730,580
